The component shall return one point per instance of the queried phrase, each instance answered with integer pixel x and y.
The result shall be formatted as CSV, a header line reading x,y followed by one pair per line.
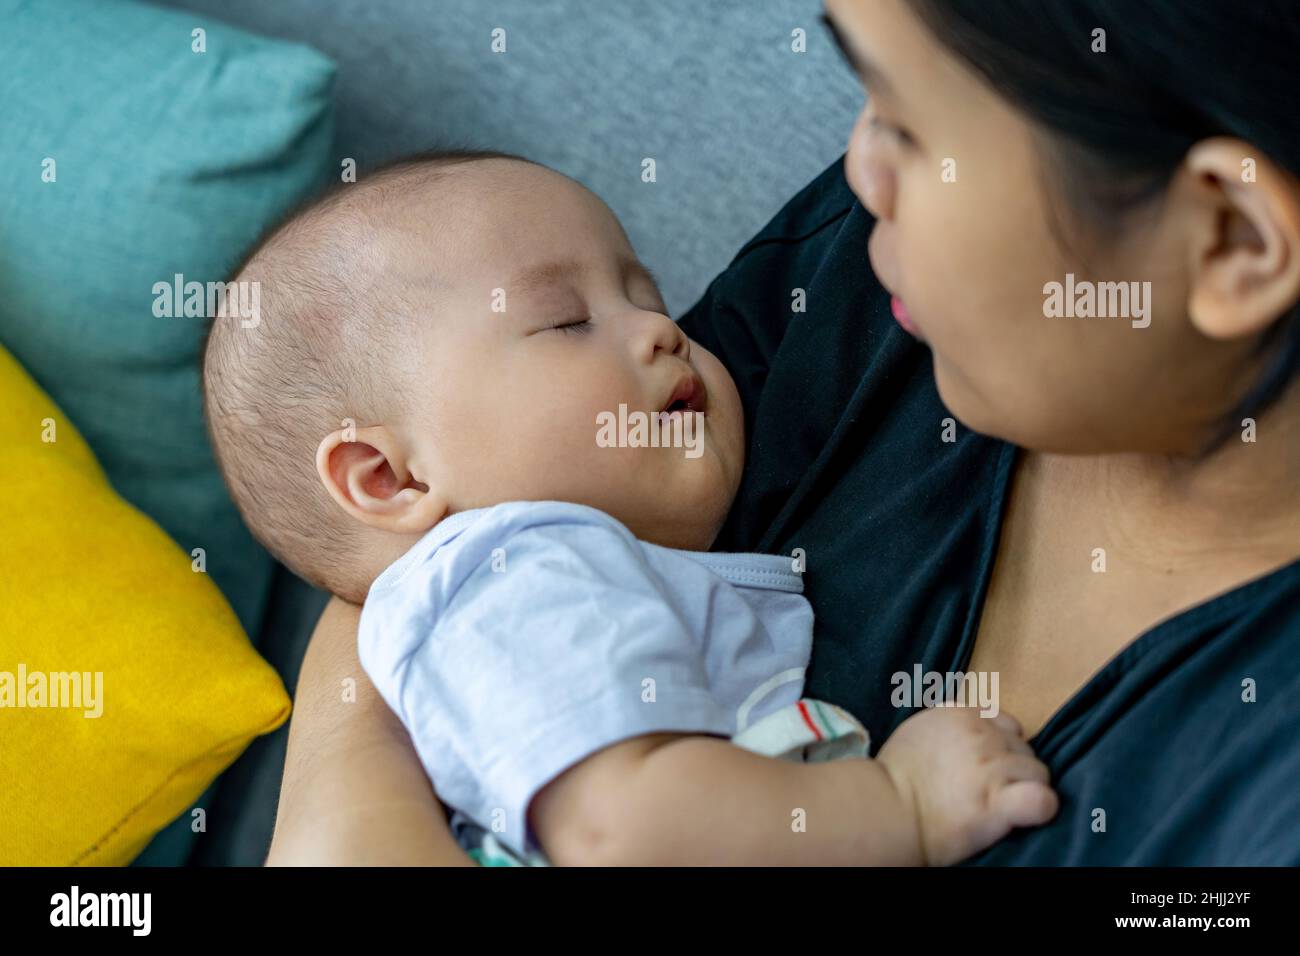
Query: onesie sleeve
x,y
551,639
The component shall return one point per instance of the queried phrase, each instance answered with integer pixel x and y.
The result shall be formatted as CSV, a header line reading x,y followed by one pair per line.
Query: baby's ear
x,y
364,470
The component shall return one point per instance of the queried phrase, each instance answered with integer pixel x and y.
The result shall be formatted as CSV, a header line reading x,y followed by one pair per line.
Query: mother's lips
x,y
902,316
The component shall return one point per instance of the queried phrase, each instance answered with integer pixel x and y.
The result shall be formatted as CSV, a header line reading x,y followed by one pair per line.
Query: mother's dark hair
x,y
1120,122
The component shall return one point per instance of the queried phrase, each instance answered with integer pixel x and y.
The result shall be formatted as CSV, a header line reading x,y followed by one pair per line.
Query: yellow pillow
x,y
90,586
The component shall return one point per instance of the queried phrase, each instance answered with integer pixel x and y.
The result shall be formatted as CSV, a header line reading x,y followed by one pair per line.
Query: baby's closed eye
x,y
578,326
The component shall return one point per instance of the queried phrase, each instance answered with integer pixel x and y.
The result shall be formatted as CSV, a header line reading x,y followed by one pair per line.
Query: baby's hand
x,y
970,778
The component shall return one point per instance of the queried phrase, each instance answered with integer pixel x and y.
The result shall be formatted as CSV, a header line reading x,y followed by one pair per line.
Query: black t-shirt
x,y
1162,757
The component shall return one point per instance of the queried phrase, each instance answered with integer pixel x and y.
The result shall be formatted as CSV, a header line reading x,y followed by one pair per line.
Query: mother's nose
x,y
868,175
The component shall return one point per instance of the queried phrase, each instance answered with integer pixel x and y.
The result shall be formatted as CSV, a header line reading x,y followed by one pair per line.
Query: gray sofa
x,y
710,89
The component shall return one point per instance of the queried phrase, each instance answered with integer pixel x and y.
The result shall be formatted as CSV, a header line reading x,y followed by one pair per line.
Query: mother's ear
x,y
366,471
1245,245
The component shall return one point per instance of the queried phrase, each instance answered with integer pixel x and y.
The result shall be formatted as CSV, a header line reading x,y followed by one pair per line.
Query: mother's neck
x,y
1243,498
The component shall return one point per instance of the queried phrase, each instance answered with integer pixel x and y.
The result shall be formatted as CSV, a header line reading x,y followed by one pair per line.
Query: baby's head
x,y
450,333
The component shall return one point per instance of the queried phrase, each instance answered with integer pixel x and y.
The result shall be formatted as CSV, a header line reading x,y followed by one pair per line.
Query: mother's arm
x,y
354,792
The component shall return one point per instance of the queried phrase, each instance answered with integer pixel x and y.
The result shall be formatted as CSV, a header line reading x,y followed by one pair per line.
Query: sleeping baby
x,y
421,421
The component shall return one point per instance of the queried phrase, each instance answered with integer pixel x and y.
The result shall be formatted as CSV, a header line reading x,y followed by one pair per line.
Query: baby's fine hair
x,y
328,321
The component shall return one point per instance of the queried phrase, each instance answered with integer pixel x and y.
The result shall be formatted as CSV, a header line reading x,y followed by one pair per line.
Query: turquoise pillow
x,y
166,161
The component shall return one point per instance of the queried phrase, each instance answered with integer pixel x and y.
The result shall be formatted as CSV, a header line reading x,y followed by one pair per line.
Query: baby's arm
x,y
947,784
669,799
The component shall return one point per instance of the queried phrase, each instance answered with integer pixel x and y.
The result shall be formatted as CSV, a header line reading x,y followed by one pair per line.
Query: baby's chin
x,y
674,533
687,515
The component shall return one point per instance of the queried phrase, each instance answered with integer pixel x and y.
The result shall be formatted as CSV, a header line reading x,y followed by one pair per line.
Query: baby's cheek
x,y
724,399
592,435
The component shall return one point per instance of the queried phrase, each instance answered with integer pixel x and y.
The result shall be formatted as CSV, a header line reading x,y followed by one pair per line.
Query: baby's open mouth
x,y
688,396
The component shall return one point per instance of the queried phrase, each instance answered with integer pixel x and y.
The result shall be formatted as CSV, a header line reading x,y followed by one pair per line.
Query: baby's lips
x,y
690,392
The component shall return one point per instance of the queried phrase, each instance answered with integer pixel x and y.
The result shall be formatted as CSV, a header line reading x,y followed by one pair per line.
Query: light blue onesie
x,y
515,641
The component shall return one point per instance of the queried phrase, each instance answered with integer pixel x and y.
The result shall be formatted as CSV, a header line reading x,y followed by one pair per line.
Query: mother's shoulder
x,y
821,203
818,237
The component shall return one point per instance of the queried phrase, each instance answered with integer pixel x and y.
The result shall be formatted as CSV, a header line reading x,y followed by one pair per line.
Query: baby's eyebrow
x,y
540,276
556,270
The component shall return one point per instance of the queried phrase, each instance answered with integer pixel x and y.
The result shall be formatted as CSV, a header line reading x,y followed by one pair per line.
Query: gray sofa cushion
x,y
712,91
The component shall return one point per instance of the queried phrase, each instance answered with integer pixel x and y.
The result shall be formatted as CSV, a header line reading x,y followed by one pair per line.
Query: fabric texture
x,y
129,158
126,682
165,161
517,640
1185,741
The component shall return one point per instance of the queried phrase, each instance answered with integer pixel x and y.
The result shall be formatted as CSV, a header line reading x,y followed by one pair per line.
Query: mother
x,y
1103,512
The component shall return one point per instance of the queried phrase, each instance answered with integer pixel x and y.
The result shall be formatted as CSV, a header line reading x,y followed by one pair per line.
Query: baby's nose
x,y
672,339
658,333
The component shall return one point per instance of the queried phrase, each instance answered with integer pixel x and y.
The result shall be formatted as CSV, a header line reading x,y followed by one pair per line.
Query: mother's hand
x,y
354,792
